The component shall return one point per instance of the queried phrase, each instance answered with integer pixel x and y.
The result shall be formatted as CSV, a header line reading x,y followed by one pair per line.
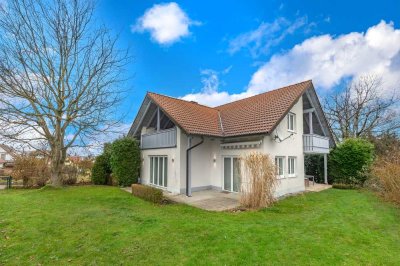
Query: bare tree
x,y
361,110
60,75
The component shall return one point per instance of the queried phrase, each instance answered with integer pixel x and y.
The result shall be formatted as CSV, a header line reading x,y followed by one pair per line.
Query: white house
x,y
7,155
190,147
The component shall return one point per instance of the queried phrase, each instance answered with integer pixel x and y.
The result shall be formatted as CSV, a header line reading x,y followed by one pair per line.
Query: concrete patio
x,y
317,187
213,200
210,200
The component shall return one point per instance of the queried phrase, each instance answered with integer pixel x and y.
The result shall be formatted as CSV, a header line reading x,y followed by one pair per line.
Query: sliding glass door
x,y
231,174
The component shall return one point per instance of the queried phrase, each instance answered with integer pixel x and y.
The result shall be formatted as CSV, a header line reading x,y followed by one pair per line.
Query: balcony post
x,y
158,119
326,168
310,123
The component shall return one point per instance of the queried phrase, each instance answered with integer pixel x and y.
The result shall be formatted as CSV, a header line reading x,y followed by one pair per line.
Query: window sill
x,y
280,177
292,176
157,186
292,131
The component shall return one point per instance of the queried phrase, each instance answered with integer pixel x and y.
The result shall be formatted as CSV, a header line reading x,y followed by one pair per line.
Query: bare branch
x,y
60,75
360,110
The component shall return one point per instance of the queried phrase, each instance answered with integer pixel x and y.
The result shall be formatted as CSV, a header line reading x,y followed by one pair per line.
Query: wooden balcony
x,y
161,139
317,144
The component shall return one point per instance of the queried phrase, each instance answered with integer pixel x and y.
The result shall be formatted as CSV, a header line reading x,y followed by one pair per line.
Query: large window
x,y
158,170
280,166
291,122
292,166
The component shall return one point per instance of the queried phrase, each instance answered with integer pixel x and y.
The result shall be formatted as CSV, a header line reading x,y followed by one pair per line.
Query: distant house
x,y
7,156
189,147
76,160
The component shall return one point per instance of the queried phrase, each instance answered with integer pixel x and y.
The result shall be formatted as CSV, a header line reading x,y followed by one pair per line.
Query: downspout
x,y
188,179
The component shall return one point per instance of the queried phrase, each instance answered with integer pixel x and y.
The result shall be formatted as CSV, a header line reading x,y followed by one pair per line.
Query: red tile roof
x,y
260,113
192,117
254,115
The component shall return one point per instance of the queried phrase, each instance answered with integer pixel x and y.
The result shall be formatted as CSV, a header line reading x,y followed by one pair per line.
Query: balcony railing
x,y
315,144
161,139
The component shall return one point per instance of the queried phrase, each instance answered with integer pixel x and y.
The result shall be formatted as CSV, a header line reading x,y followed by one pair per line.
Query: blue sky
x,y
218,51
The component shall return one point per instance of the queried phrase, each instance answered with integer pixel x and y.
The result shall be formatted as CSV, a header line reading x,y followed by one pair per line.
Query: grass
x,y
104,225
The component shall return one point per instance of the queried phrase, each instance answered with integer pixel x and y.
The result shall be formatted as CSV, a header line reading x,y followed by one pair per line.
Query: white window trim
x,y
163,171
290,114
223,167
294,174
278,176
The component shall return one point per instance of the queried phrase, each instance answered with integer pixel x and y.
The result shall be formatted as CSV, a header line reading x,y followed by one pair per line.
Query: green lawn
x,y
104,225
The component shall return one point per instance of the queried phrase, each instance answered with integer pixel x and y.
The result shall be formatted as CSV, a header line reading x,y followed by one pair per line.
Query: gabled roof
x,y
192,117
254,115
260,113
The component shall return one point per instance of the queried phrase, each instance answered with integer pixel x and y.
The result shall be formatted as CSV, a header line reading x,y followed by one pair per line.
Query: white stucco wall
x,y
201,162
174,162
292,146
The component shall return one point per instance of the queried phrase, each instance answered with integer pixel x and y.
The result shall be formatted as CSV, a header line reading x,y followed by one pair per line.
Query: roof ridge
x,y
221,124
192,102
266,92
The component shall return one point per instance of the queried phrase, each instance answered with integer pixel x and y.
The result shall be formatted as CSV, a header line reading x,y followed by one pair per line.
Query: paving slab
x,y
317,187
211,200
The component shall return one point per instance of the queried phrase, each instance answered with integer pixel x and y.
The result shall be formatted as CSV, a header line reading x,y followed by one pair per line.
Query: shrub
x,y
151,194
350,161
69,175
125,161
385,143
258,175
37,181
101,170
34,172
344,186
386,176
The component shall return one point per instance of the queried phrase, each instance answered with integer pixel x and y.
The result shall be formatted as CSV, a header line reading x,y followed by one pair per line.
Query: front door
x,y
231,174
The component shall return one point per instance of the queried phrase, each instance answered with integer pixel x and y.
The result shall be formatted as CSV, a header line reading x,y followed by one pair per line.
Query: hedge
x,y
101,170
125,161
350,161
344,186
151,194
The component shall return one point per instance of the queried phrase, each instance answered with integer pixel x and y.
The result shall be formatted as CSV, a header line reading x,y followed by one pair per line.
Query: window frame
x,y
232,166
158,177
289,116
277,158
294,173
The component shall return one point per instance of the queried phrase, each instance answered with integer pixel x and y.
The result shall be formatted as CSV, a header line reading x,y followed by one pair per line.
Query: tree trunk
x,y
55,174
56,165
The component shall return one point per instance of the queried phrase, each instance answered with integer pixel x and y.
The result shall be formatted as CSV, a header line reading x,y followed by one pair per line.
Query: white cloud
x,y
210,80
327,60
167,23
267,35
209,94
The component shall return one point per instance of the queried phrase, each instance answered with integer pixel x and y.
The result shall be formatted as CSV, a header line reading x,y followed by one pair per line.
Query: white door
x,y
231,174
